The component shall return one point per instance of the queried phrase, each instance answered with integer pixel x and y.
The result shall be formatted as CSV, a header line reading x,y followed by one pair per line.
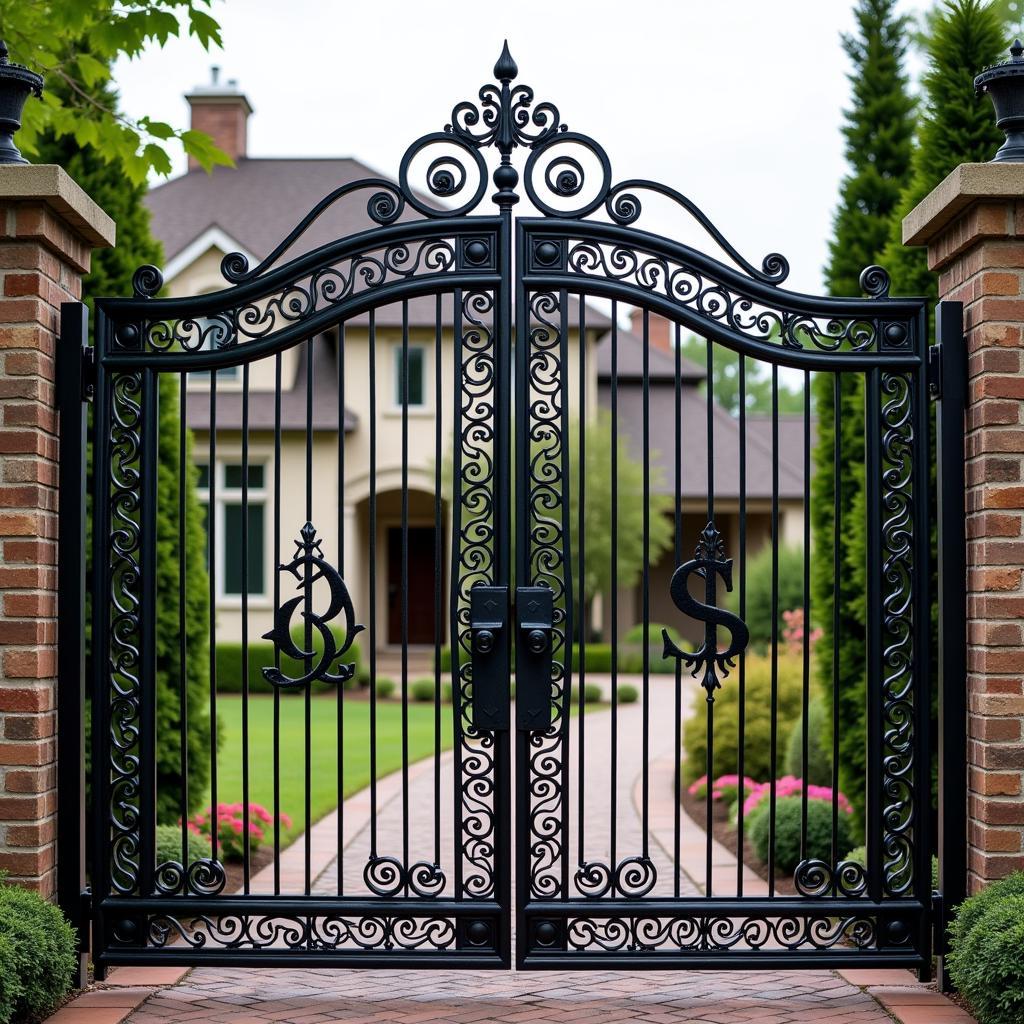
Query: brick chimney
x,y
223,113
660,332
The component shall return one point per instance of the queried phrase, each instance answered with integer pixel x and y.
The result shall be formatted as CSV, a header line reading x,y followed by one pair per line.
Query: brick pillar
x,y
49,228
973,226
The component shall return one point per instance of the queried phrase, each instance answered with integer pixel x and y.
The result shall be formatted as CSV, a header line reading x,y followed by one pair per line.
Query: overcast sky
x,y
736,104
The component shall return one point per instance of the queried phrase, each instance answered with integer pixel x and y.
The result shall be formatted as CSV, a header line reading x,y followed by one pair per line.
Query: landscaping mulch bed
x,y
696,808
233,870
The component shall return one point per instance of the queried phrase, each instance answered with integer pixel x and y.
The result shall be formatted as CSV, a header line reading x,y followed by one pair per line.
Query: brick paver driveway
x,y
234,996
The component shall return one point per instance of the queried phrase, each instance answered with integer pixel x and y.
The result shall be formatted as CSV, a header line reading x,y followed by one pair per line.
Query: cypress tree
x,y
111,274
878,130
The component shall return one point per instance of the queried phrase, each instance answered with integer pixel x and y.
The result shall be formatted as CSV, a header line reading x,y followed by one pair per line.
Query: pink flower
x,y
236,827
696,786
285,820
788,785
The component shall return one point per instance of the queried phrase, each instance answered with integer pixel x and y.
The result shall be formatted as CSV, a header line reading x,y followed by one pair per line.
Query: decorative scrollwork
x,y
875,282
474,526
387,876
309,566
709,563
547,498
632,877
124,630
309,931
147,281
710,932
898,815
203,877
817,878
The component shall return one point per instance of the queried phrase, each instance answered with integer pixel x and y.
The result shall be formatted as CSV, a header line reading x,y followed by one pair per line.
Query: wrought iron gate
x,y
487,352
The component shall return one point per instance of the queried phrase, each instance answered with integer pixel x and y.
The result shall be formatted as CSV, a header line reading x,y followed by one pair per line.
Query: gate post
x,y
973,225
48,229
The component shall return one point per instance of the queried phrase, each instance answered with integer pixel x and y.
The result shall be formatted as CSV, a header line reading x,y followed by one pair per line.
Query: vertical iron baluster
x,y
372,383
581,464
613,795
709,349
677,548
741,681
211,566
182,625
404,602
805,649
438,579
245,626
340,836
774,728
277,604
307,586
646,585
837,522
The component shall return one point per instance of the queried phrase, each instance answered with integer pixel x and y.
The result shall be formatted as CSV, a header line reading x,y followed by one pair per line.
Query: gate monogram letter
x,y
710,562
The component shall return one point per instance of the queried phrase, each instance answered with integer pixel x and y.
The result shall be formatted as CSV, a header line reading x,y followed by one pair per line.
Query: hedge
x,y
37,955
788,825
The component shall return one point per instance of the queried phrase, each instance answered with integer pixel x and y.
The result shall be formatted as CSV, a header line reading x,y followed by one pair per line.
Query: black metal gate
x,y
486,353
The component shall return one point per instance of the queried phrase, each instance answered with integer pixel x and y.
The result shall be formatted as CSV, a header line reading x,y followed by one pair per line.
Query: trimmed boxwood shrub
x,y
37,955
168,844
422,690
599,658
631,649
591,693
385,687
627,694
985,961
757,720
819,757
788,823
230,663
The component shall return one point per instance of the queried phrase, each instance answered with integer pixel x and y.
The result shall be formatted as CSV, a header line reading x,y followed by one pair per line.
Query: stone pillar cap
x,y
962,187
52,186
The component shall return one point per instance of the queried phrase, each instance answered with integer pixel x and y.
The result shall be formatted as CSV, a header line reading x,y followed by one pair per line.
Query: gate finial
x,y
506,68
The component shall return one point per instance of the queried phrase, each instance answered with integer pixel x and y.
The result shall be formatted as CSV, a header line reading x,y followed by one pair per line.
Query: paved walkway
x,y
233,996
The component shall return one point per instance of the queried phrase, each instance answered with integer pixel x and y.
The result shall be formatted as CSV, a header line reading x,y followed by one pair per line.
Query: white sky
x,y
738,104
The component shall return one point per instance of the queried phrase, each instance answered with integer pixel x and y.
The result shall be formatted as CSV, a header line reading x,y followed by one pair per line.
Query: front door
x,y
411,585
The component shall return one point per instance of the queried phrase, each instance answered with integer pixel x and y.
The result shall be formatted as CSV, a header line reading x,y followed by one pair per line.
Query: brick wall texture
x,y
41,263
980,259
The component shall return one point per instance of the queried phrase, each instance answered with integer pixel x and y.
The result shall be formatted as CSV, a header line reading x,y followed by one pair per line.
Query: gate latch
x,y
534,617
489,645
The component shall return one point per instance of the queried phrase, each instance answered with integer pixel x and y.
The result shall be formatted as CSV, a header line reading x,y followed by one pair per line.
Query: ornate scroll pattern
x,y
202,877
310,932
123,712
297,300
739,310
474,564
388,876
817,878
308,566
546,489
631,877
898,815
706,933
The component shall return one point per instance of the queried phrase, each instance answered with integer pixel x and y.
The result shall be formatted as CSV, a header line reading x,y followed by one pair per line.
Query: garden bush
x,y
631,649
230,661
819,757
759,592
168,844
422,690
591,693
757,720
972,910
985,962
628,694
230,821
385,687
37,955
788,822
598,658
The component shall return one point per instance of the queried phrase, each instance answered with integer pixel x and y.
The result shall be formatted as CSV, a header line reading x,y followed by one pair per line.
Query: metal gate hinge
x,y
88,373
935,371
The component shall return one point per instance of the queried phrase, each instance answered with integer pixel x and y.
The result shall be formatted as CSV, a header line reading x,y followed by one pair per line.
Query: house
x,y
250,209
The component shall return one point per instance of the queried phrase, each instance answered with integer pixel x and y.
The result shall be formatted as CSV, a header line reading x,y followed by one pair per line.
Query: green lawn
x,y
323,749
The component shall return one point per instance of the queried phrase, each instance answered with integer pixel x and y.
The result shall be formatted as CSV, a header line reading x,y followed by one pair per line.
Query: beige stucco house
x,y
250,208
